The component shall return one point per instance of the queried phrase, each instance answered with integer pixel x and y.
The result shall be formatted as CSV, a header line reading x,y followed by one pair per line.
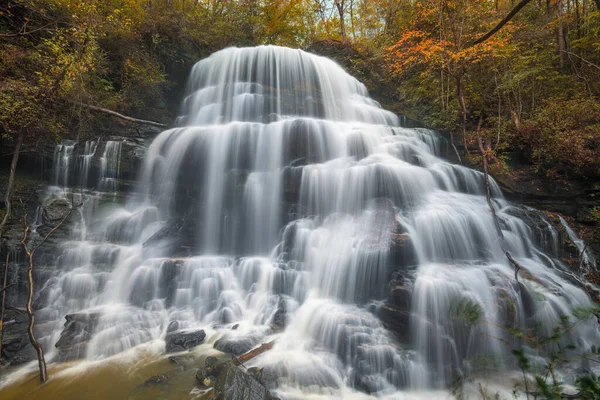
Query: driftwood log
x,y
252,353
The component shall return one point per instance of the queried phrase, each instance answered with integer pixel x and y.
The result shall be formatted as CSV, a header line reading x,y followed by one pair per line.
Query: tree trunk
x,y
36,345
3,302
11,181
561,36
339,4
460,92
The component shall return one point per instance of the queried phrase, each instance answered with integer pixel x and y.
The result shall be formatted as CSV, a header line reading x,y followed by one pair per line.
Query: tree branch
x,y
121,116
591,64
510,15
23,33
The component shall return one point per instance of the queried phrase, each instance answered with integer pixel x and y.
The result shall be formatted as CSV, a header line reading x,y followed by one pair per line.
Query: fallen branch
x,y
121,116
252,353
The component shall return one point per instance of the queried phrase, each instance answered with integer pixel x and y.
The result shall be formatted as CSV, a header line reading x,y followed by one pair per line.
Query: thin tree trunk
x,y
30,253
460,91
488,196
561,36
339,4
3,302
11,181
352,19
36,345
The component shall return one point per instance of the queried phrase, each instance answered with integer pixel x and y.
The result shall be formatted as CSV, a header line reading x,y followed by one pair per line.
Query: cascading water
x,y
287,197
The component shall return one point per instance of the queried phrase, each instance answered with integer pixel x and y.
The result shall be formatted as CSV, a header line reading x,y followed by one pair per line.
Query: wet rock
x,y
167,238
182,341
76,334
236,346
185,362
280,318
401,297
156,380
16,348
56,211
396,320
169,270
173,326
230,382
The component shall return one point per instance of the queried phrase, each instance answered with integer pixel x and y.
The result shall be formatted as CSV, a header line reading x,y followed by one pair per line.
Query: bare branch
x,y
591,64
22,31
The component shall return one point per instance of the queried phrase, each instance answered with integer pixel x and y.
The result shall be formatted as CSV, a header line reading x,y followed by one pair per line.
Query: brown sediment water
x,y
120,377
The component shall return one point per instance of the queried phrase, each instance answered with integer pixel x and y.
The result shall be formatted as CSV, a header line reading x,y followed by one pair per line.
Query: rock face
x,y
16,348
181,341
76,334
230,382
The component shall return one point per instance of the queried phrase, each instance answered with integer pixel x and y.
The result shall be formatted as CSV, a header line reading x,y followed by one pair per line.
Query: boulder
x,y
237,345
230,382
280,318
56,211
181,341
76,334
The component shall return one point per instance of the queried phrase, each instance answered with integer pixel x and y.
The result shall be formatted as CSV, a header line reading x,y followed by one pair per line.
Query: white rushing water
x,y
281,199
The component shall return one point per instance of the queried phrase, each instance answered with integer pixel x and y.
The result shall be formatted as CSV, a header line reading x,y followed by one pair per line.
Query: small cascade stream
x,y
291,206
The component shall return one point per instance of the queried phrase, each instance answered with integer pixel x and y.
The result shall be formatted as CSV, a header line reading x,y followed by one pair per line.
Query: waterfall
x,y
110,167
286,191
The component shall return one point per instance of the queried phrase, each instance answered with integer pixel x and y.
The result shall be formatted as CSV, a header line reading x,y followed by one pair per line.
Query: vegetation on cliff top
x,y
533,84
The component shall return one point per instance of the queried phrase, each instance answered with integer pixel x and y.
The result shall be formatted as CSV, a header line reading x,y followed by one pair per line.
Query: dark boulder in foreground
x,y
229,382
181,341
76,334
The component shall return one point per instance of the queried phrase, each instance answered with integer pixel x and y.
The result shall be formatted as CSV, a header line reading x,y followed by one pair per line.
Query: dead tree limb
x,y
121,116
488,196
500,24
30,253
253,353
591,64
